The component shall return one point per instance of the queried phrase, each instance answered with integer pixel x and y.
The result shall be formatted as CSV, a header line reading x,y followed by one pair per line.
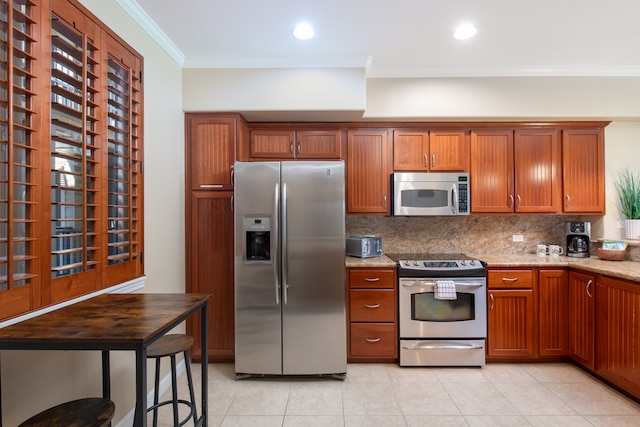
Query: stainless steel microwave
x,y
430,194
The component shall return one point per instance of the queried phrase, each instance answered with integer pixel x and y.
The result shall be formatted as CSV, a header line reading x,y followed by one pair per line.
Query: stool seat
x,y
169,345
88,412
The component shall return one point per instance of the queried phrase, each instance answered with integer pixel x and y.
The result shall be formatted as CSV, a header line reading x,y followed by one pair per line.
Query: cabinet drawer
x,y
510,279
371,278
372,306
374,339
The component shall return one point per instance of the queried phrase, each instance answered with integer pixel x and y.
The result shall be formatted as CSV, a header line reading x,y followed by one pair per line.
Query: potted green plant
x,y
628,188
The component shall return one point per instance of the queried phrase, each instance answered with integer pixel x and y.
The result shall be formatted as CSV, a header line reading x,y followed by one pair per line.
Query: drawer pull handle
x,y
509,279
372,340
372,306
371,279
211,185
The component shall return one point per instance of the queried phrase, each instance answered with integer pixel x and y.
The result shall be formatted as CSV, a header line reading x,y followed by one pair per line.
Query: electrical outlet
x,y
518,238
620,224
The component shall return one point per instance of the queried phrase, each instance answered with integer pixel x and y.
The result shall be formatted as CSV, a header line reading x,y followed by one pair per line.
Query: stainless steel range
x,y
442,309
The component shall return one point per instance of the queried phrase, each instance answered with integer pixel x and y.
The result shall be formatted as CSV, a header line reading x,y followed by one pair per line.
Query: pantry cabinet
x,y
372,315
512,314
583,170
369,165
433,150
212,144
515,171
210,270
289,144
582,292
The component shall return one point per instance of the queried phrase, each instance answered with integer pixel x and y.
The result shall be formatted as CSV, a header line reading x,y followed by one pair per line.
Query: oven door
x,y
425,198
422,315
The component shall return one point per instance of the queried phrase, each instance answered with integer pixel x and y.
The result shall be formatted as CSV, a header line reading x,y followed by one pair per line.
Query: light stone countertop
x,y
629,270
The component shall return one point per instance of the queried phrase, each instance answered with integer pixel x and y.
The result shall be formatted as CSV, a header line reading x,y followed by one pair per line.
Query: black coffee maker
x,y
578,239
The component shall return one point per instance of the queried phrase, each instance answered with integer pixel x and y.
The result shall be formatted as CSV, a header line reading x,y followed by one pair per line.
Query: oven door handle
x,y
422,283
433,346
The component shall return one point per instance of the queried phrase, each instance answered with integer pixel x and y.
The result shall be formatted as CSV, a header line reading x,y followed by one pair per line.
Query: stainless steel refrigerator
x,y
290,315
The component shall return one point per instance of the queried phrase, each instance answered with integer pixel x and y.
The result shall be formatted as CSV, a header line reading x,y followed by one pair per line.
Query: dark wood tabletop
x,y
113,322
105,321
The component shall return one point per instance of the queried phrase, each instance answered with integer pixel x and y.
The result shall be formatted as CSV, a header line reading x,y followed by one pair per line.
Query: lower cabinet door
x,y
511,323
373,340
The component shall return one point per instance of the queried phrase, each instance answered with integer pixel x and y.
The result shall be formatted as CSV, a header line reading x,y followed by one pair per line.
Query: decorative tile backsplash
x,y
490,234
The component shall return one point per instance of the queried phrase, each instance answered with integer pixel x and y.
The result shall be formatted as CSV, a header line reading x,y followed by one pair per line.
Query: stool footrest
x,y
170,402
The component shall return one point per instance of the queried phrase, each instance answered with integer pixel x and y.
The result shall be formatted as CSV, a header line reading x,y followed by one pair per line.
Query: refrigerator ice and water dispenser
x,y
257,232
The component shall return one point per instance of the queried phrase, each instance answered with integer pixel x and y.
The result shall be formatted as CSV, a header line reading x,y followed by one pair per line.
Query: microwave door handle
x,y
454,199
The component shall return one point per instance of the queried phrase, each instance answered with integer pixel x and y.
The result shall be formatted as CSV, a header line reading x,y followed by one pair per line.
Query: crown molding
x,y
149,25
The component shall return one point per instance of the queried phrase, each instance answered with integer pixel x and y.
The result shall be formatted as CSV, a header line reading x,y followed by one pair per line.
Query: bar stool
x,y
170,345
88,412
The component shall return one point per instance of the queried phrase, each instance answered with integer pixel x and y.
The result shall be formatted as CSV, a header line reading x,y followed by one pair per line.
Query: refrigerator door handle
x,y
276,215
285,254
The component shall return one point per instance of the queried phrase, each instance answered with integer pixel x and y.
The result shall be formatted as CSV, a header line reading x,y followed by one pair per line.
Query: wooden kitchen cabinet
x,y
369,163
213,142
372,315
492,171
511,314
582,288
433,150
618,332
211,149
210,270
583,170
515,171
288,144
553,320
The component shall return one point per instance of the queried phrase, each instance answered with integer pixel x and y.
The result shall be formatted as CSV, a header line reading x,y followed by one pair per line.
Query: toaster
x,y
364,247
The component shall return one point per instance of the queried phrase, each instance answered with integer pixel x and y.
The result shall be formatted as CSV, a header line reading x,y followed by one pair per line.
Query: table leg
x,y
204,363
140,418
106,375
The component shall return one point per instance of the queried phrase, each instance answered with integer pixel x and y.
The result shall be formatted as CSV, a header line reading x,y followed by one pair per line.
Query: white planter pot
x,y
632,228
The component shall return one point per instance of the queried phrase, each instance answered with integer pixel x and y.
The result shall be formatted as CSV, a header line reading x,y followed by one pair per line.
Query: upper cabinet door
x,y
211,151
583,170
273,144
318,144
368,171
492,171
287,144
435,150
537,170
448,150
410,150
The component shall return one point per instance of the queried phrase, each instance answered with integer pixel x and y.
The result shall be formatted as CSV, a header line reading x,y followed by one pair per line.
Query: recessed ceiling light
x,y
465,31
303,31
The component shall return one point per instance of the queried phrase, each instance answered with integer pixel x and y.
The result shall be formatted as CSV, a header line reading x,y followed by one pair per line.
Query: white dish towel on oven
x,y
445,289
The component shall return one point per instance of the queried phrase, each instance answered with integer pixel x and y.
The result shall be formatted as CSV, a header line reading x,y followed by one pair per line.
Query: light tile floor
x,y
386,395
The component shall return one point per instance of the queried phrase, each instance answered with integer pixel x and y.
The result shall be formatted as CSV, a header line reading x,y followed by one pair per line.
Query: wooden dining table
x,y
110,322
